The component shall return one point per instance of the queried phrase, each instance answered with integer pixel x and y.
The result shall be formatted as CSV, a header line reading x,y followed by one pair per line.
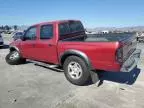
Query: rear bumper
x,y
131,62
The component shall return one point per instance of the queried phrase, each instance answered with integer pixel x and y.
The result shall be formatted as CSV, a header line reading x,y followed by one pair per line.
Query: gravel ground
x,y
30,86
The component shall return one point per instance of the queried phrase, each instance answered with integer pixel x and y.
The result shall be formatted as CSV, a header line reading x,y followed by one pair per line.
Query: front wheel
x,y
76,70
14,58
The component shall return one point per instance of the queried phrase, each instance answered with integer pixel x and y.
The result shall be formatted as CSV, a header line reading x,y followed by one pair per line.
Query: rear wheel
x,y
14,58
76,71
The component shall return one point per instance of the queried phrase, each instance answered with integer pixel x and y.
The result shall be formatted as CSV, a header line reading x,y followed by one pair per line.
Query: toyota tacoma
x,y
64,43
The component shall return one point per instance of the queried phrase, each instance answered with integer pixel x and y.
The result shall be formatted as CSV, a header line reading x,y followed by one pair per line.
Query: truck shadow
x,y
119,77
58,69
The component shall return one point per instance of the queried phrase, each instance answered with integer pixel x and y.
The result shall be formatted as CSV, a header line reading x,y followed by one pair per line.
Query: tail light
x,y
119,55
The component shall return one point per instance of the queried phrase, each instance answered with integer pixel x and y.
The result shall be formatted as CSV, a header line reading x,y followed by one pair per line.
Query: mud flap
x,y
94,77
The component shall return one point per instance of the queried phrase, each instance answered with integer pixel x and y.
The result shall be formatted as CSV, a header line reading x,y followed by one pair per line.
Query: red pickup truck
x,y
64,43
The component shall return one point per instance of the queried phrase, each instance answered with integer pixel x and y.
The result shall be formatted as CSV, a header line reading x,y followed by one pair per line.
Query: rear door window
x,y
46,31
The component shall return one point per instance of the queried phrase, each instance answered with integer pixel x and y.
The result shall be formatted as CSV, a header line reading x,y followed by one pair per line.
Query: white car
x,y
1,41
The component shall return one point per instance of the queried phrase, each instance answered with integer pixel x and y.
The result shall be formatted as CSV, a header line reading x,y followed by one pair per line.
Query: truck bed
x,y
111,37
95,45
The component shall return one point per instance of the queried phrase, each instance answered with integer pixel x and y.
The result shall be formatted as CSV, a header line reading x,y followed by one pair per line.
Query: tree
x,y
15,27
6,27
1,27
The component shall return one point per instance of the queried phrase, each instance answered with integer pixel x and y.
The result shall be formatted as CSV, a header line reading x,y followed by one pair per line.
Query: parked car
x,y
7,31
65,44
140,38
17,35
1,41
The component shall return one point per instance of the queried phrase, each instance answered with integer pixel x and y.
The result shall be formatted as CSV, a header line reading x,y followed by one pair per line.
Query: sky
x,y
93,13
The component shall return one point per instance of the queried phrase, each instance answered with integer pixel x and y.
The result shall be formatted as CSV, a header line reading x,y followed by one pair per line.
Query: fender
x,y
75,53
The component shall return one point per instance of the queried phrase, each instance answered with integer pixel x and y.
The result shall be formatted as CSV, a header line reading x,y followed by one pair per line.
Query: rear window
x,y
64,29
70,27
76,26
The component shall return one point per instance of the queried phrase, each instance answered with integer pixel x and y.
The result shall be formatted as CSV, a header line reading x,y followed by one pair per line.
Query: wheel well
x,y
65,57
12,49
68,55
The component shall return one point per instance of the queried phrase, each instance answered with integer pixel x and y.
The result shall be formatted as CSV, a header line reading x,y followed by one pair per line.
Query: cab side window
x,y
30,34
46,31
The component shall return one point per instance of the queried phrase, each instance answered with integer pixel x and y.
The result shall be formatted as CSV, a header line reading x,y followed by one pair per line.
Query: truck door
x,y
28,49
47,45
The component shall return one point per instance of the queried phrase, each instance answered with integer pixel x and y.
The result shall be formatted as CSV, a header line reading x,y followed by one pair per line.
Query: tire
x,y
84,74
16,60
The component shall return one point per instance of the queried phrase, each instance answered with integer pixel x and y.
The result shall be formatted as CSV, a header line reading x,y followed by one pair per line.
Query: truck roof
x,y
52,22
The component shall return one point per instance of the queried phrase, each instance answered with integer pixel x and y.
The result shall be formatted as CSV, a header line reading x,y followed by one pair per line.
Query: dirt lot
x,y
30,86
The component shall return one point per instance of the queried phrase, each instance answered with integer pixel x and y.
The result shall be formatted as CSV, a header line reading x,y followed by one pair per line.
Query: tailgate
x,y
128,46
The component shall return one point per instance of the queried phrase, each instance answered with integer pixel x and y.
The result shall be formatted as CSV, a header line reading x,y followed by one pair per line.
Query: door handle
x,y
33,45
50,45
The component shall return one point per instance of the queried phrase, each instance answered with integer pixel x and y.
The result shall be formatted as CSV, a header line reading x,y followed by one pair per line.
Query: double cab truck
x,y
64,43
